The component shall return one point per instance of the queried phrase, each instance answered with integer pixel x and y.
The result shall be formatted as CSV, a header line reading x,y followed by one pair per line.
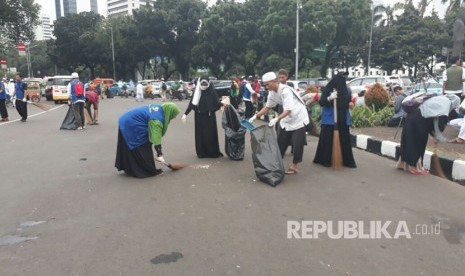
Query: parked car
x,y
59,86
360,84
131,89
221,87
298,85
432,86
107,81
156,87
115,90
404,81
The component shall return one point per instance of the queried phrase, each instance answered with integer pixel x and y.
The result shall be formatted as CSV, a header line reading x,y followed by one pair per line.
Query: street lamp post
x,y
113,52
297,42
369,47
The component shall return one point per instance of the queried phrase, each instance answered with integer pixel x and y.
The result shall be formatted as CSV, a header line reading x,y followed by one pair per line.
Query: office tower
x,y
93,6
43,31
125,7
65,7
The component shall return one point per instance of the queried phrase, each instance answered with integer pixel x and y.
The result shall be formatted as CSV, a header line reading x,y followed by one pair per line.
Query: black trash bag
x,y
234,134
266,156
69,122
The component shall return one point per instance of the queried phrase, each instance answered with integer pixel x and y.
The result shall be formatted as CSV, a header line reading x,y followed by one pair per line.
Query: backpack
x,y
412,102
79,89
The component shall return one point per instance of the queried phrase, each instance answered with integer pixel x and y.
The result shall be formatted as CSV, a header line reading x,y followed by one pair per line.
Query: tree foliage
x,y
232,38
17,20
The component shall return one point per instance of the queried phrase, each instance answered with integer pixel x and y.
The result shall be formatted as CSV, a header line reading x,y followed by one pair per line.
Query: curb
x,y
453,169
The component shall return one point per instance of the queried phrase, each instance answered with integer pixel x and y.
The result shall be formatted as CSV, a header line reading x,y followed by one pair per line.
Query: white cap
x,y
74,75
270,76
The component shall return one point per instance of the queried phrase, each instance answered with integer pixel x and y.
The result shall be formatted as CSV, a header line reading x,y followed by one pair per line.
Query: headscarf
x,y
170,110
338,82
197,92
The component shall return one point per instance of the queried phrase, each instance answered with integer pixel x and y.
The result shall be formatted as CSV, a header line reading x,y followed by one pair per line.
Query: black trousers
x,y
296,138
394,122
3,111
78,110
249,109
21,107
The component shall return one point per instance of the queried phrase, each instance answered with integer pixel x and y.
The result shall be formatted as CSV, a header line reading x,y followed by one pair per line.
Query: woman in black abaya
x,y
205,103
413,141
325,143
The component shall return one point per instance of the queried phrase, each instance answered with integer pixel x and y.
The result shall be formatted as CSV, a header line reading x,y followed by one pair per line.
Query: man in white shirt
x,y
11,91
292,120
139,92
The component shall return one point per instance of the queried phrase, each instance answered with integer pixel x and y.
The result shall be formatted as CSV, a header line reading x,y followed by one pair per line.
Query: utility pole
x,y
297,42
113,53
369,47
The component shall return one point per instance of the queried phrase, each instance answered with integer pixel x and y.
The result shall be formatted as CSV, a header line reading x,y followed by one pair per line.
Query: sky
x,y
48,6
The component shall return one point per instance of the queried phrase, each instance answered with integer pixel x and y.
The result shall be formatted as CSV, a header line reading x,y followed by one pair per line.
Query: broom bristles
x,y
436,168
87,116
176,166
336,158
44,107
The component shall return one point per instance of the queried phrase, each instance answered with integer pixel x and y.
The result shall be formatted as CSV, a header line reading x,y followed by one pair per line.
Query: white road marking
x,y
17,120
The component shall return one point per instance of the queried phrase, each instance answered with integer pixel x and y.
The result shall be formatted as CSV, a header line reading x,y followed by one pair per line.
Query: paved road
x,y
60,190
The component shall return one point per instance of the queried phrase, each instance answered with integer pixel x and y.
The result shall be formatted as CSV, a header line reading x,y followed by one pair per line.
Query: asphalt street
x,y
66,210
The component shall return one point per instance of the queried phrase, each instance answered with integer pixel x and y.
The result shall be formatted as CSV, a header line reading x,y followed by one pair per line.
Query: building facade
x,y
125,7
44,30
65,7
93,6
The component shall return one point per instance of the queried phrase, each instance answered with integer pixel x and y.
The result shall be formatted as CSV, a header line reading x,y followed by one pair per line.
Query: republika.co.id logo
x,y
349,229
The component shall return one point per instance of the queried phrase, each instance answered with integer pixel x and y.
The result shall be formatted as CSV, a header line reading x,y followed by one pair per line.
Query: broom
x,y
436,168
173,166
336,158
87,117
44,107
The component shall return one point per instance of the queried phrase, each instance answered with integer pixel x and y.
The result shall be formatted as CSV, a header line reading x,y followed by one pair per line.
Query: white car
x,y
156,85
298,85
360,84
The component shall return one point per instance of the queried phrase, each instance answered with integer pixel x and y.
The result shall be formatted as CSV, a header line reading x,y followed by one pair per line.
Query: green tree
x,y
183,19
78,42
17,19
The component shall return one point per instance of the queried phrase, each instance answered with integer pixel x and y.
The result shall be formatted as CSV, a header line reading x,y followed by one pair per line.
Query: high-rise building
x,y
93,6
44,30
125,7
65,7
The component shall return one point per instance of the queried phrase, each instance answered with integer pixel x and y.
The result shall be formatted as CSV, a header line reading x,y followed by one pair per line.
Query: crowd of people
x,y
141,129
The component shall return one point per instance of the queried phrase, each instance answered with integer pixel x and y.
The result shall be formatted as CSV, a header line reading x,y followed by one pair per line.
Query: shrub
x,y
377,97
364,116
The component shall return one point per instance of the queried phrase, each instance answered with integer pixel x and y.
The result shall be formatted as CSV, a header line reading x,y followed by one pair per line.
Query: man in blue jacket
x,y
78,98
3,97
20,94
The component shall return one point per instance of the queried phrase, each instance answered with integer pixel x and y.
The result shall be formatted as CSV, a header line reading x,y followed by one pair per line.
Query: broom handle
x,y
335,111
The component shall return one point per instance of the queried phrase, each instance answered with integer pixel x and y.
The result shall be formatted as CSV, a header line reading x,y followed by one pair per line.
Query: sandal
x,y
456,141
291,171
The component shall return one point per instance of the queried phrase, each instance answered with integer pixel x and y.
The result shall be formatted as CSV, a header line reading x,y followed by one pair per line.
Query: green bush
x,y
377,97
364,116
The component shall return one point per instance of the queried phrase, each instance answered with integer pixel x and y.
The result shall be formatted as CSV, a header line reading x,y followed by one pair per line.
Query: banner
x,y
21,49
3,63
